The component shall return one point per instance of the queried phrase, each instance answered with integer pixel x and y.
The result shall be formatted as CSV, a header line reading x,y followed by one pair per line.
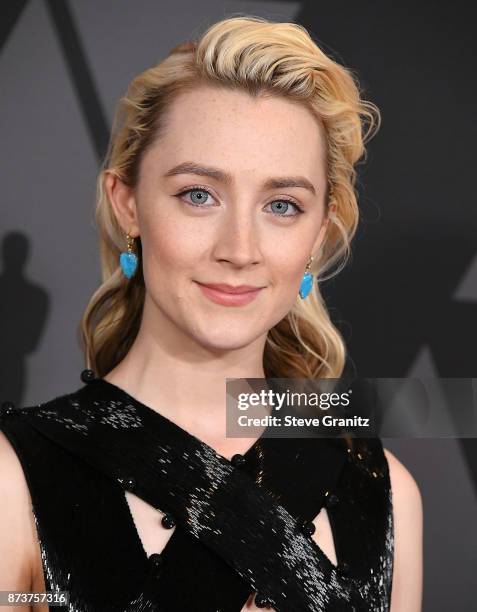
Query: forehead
x,y
232,129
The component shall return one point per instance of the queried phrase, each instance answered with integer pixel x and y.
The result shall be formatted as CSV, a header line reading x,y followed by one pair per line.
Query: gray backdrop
x,y
406,304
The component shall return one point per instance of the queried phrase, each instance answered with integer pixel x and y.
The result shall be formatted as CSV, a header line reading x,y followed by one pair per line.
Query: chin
x,y
226,340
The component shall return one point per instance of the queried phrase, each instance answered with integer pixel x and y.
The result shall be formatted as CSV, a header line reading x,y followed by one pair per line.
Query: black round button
x,y
129,482
237,460
156,559
87,376
6,409
332,500
262,601
168,521
308,528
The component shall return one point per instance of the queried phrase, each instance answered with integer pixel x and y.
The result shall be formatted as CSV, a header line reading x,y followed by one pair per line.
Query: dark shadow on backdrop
x,y
24,309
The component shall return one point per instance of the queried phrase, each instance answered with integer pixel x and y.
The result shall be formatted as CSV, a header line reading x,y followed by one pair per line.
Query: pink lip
x,y
227,295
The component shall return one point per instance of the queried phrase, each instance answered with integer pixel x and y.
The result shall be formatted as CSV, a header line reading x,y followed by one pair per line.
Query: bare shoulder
x,y
16,522
408,537
403,483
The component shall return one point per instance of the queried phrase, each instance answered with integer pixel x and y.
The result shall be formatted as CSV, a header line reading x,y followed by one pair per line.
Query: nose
x,y
238,238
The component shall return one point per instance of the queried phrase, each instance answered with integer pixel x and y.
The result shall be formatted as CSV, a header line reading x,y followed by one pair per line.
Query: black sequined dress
x,y
240,526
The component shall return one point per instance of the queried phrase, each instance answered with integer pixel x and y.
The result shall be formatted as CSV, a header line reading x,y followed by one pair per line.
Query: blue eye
x,y
199,199
287,204
196,190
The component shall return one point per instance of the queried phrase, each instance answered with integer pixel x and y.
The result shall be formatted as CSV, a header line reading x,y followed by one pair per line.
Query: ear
x,y
123,203
321,234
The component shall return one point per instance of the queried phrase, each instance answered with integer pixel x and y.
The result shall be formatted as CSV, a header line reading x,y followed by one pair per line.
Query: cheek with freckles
x,y
284,287
288,280
167,263
173,247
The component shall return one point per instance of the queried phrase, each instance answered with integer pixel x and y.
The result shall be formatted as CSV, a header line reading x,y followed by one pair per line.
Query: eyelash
x,y
199,188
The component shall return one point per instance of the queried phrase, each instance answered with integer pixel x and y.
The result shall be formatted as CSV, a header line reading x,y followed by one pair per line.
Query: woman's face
x,y
207,211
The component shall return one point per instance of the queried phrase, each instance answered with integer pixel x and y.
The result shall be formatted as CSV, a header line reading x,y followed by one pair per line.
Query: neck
x,y
188,386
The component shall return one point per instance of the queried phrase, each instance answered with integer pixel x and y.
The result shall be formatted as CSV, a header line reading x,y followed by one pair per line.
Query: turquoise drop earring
x,y
128,259
307,280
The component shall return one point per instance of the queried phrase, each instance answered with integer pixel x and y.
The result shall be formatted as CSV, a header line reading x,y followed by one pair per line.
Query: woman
x,y
229,180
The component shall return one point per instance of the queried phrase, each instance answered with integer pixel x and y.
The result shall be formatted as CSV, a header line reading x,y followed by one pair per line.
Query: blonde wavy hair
x,y
260,57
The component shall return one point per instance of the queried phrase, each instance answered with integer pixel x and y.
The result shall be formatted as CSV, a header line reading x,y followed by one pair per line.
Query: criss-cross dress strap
x,y
210,498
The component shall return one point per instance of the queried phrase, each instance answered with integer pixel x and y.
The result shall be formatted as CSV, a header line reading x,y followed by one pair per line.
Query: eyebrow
x,y
226,178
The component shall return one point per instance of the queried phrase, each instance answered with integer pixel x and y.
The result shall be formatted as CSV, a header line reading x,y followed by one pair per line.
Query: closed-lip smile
x,y
229,295
225,288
